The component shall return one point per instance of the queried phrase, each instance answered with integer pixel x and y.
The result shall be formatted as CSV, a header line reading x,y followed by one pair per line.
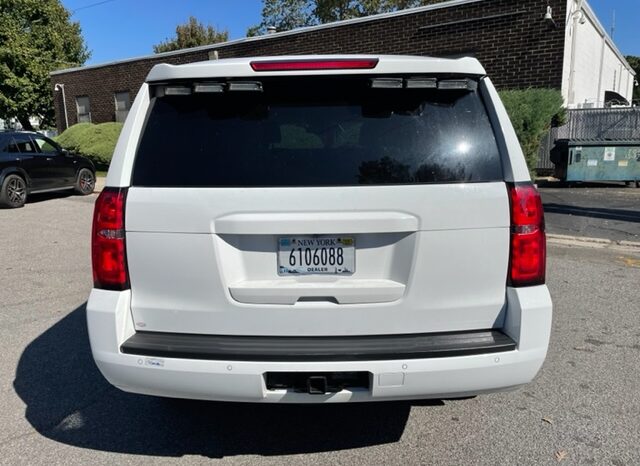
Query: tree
x,y
283,15
635,64
36,37
192,34
327,11
290,14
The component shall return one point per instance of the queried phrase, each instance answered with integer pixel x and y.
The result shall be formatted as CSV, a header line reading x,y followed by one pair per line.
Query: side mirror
x,y
65,152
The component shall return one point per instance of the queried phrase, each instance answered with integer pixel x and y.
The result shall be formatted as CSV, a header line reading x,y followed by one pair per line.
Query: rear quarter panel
x,y
9,164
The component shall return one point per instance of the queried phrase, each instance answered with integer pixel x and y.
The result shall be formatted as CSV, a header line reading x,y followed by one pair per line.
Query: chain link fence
x,y
591,124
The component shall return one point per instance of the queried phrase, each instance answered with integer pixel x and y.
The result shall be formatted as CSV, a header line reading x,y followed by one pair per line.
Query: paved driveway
x,y
55,408
598,210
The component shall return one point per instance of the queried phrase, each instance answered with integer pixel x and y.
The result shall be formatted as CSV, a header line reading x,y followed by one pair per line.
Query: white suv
x,y
318,229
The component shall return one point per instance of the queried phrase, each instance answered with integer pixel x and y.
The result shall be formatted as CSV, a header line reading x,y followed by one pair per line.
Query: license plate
x,y
304,255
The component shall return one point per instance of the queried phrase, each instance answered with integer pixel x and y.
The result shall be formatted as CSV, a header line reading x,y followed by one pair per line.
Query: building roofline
x,y
346,22
603,32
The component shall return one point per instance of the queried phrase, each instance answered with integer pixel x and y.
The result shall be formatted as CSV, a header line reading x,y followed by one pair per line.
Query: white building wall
x,y
592,62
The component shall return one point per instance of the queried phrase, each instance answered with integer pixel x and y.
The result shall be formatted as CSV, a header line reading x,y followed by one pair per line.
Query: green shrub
x,y
96,142
532,112
69,138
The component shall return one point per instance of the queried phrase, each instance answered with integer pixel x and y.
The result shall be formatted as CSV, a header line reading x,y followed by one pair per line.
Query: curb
x,y
100,182
596,243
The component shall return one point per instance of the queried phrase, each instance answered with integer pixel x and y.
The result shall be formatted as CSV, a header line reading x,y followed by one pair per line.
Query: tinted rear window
x,y
317,132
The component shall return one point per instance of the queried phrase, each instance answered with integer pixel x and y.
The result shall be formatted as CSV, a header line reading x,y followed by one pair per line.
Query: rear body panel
x,y
187,254
431,258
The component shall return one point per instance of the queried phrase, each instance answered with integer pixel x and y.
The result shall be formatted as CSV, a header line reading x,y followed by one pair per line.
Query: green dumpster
x,y
597,161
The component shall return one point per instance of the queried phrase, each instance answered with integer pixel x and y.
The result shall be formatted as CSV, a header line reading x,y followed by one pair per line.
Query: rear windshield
x,y
316,132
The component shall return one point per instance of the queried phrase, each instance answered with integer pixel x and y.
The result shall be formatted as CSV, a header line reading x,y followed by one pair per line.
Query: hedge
x,y
96,142
532,112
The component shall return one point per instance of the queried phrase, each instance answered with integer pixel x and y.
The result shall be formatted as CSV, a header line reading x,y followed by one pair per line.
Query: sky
x,y
118,29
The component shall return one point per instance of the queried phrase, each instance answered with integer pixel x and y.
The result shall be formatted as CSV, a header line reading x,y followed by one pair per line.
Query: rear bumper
x,y
147,367
308,349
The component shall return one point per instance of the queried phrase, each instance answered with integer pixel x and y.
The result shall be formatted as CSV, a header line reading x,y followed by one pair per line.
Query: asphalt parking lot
x,y
55,408
598,210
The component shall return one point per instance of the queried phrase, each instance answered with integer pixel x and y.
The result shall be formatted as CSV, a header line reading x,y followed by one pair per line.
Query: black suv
x,y
32,163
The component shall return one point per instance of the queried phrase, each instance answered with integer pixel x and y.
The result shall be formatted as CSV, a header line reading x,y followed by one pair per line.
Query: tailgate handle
x,y
342,291
277,223
318,299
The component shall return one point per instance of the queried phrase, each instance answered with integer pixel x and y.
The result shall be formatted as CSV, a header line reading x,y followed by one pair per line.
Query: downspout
x,y
600,91
620,78
572,63
57,87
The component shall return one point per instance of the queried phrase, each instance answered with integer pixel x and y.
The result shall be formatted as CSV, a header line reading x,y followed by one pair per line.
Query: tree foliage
x,y
283,15
192,34
327,11
635,64
36,37
532,112
290,14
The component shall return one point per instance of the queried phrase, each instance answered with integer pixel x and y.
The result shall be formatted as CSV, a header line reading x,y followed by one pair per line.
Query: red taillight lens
x,y
108,241
528,243
308,65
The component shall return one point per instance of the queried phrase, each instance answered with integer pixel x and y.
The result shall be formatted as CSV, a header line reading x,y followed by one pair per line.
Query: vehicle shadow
x,y
42,197
542,183
594,212
67,400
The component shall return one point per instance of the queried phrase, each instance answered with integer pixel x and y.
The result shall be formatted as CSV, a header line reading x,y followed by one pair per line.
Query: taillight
x,y
528,243
108,241
315,64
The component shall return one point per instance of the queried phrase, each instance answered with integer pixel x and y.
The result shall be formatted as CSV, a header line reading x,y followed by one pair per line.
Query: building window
x,y
123,104
84,109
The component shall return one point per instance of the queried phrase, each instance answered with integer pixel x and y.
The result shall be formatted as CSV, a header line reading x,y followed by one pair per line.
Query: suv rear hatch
x,y
317,205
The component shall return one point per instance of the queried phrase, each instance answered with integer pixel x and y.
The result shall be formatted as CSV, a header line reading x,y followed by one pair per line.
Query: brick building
x,y
521,43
